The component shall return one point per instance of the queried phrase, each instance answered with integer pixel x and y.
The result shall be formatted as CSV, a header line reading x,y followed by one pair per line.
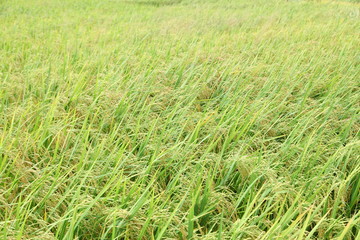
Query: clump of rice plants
x,y
179,120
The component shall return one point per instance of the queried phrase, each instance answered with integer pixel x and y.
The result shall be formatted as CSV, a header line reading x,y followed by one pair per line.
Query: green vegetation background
x,y
179,119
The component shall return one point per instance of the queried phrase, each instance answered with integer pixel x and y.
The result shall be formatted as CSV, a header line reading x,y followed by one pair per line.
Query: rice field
x,y
179,119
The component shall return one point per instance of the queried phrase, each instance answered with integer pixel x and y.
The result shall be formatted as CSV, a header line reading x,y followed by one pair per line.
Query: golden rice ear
x,y
205,93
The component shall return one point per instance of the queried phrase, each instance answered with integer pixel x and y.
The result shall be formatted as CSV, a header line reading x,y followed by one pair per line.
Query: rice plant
x,y
203,119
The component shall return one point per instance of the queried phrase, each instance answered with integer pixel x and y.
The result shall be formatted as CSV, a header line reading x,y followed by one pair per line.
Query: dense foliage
x,y
179,119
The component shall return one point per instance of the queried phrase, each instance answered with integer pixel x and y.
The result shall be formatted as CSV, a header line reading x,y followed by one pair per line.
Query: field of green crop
x,y
179,119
